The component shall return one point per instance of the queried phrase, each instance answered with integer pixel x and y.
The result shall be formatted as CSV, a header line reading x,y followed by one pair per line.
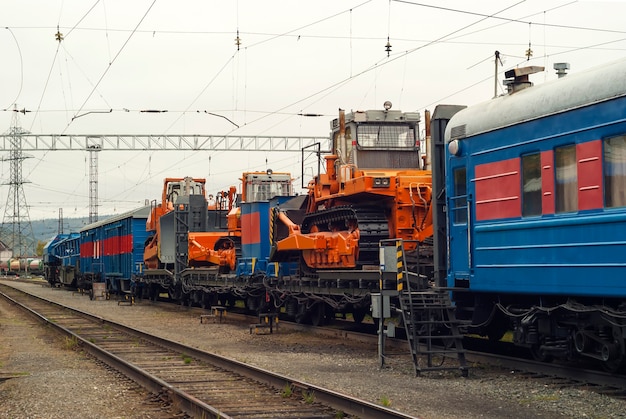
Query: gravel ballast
x,y
60,383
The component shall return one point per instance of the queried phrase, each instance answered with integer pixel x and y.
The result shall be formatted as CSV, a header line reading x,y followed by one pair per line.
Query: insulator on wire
x,y
388,47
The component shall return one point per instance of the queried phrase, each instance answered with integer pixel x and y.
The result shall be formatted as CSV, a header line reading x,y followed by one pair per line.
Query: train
x,y
517,212
535,187
25,266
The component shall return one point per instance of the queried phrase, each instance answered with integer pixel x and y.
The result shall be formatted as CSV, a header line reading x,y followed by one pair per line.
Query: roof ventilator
x,y
517,78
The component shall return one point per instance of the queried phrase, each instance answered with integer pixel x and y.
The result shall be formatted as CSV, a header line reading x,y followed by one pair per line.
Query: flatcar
x,y
535,185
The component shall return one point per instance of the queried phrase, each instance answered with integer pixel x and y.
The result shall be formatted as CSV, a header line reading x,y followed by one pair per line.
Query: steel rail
x,y
182,400
189,403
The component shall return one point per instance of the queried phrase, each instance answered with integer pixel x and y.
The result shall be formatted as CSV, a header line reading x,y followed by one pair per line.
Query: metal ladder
x,y
425,315
428,313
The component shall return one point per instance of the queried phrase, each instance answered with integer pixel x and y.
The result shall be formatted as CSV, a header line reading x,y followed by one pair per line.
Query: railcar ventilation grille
x,y
458,132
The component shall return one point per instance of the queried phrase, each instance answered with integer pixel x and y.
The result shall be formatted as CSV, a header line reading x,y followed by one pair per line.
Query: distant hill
x,y
44,230
47,229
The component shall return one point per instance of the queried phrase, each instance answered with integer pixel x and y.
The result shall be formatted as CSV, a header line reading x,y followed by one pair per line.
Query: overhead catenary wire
x,y
287,113
111,62
21,86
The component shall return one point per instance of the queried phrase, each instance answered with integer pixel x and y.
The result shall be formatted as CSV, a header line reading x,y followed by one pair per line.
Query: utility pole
x,y
495,75
22,238
60,221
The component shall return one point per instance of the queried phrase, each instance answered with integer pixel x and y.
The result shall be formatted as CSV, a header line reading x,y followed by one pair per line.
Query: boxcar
x,y
111,250
60,260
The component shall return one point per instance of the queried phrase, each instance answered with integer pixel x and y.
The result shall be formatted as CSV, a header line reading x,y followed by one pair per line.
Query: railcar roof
x,y
572,91
142,212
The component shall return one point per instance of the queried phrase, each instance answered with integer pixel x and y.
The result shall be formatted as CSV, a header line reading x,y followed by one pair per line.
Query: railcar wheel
x,y
614,365
616,358
358,315
318,314
498,327
205,304
540,354
496,334
302,316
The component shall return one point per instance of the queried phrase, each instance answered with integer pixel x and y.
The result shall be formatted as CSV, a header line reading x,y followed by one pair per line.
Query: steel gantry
x,y
17,142
34,142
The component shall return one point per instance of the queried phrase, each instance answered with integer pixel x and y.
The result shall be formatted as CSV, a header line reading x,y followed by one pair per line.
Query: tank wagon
x,y
535,186
25,265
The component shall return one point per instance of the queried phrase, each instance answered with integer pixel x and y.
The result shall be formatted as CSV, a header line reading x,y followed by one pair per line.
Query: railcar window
x,y
615,171
385,137
459,200
531,185
566,196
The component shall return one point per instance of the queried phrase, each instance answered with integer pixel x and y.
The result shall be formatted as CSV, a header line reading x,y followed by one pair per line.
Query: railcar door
x,y
459,219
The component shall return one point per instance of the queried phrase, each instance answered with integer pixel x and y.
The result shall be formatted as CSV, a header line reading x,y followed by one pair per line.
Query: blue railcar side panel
x,y
114,247
581,253
578,255
140,235
255,240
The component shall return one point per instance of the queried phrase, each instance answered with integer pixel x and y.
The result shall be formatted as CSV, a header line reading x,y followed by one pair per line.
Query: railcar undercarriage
x,y
568,329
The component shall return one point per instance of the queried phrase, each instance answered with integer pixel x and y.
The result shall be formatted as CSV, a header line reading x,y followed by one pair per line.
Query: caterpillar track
x,y
371,221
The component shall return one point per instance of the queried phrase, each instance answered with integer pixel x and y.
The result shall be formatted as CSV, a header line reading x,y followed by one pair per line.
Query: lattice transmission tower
x,y
17,231
93,182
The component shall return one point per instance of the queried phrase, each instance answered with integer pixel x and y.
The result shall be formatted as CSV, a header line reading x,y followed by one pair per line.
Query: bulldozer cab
x,y
377,139
175,188
263,186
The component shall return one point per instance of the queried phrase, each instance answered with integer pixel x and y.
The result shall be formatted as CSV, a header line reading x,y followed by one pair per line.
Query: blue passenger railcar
x,y
536,204
111,250
61,260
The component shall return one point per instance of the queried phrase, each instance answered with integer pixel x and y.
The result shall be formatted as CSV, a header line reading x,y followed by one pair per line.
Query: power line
x,y
550,25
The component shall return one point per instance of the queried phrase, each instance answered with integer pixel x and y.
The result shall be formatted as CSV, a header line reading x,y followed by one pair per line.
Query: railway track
x,y
508,359
561,375
197,382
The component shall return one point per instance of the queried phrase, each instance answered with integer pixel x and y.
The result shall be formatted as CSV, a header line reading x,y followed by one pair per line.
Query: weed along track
x,y
199,383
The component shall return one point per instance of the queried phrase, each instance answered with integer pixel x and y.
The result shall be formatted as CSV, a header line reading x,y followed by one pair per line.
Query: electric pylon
x,y
16,229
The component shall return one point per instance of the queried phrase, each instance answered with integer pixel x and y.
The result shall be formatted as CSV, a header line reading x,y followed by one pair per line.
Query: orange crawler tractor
x,y
374,188
208,242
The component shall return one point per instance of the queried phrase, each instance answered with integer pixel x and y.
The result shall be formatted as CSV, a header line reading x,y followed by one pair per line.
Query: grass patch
x,y
308,396
287,391
186,359
385,401
71,342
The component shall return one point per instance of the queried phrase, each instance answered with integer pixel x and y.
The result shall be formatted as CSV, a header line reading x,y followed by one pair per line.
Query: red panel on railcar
x,y
118,245
498,190
547,182
590,175
251,232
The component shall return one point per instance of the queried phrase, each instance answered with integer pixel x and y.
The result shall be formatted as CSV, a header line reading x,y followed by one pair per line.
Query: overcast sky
x,y
294,57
